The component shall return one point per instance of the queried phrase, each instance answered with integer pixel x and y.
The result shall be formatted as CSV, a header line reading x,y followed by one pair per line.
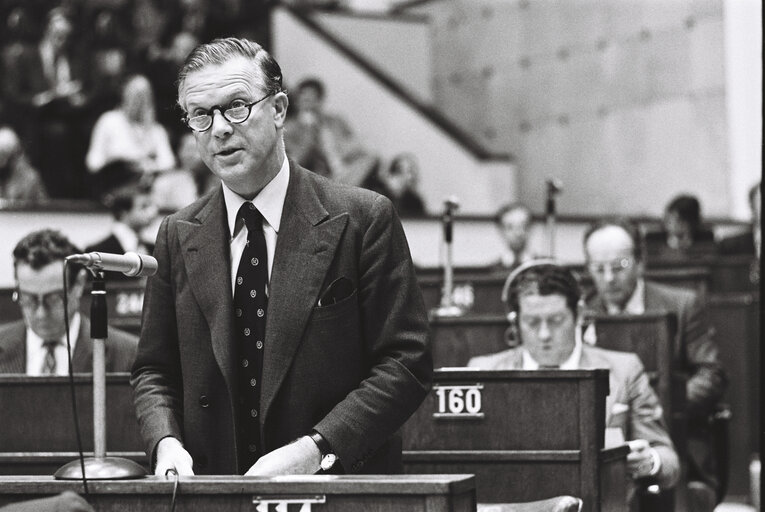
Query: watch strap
x,y
321,443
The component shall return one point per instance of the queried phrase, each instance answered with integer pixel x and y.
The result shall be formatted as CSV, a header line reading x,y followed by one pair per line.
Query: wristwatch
x,y
328,458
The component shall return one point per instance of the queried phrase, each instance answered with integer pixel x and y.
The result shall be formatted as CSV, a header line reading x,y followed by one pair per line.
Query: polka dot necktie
x,y
250,305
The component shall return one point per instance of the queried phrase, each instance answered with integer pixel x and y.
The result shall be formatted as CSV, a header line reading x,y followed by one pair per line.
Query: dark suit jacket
x,y
109,244
742,243
657,249
120,349
631,405
354,370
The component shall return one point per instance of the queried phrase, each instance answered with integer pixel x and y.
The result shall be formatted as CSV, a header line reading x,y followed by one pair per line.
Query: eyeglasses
x,y
616,266
50,300
236,112
535,322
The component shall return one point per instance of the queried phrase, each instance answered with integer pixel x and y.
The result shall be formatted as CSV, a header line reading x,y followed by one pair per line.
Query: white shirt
x,y
636,303
572,363
126,236
270,203
36,351
115,137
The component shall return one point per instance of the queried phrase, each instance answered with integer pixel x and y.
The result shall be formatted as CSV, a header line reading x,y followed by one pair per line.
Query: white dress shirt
x,y
270,203
36,352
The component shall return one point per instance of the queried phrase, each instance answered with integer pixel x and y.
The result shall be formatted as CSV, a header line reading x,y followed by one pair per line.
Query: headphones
x,y
512,335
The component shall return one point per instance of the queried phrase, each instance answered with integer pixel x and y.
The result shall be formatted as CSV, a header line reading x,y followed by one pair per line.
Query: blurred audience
x,y
399,184
131,134
19,181
683,234
748,242
46,102
172,191
324,142
615,261
514,223
36,345
133,210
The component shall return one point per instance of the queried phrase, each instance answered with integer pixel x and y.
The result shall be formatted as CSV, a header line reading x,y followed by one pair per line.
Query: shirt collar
x,y
126,236
34,342
572,363
269,201
636,303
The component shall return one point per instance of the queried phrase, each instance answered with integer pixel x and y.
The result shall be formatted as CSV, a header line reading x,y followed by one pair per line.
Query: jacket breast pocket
x,y
336,310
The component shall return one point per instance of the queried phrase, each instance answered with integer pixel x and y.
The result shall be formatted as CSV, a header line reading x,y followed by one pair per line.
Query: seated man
x,y
614,258
543,299
684,235
514,223
36,345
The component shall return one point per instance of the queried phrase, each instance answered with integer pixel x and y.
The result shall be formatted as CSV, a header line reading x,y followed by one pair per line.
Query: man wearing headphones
x,y
542,298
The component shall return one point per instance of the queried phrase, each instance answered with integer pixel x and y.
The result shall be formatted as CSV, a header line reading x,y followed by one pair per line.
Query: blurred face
x,y
142,214
9,146
679,232
308,100
547,328
514,226
245,156
41,298
611,263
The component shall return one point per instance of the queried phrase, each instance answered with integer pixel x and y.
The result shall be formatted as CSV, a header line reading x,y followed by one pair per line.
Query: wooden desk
x,y
426,493
37,429
456,340
526,435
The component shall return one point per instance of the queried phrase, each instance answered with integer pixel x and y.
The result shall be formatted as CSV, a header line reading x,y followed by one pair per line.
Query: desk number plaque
x,y
459,402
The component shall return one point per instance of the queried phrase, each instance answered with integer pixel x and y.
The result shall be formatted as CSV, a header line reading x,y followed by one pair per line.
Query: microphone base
x,y
101,468
447,311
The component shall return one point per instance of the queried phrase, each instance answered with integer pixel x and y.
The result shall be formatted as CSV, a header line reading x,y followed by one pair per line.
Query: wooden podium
x,y
37,430
526,435
426,493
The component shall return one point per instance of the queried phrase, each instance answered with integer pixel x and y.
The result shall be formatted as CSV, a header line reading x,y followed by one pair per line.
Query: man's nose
x,y
544,330
220,125
608,274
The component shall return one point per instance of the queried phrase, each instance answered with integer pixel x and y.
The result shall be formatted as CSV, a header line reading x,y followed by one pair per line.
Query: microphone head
x,y
452,203
145,265
554,185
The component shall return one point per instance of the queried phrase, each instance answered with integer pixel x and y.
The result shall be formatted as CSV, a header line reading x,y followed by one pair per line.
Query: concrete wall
x,y
389,126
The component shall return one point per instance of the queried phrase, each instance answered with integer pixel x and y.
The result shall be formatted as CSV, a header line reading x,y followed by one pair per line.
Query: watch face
x,y
328,461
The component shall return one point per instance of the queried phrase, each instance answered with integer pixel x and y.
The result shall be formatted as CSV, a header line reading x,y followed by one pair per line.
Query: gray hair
x,y
221,51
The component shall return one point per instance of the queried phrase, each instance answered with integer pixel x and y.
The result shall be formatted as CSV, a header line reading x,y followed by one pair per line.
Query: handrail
x,y
455,132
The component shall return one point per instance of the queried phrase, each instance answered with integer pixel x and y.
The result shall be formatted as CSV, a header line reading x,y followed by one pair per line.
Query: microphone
x,y
131,263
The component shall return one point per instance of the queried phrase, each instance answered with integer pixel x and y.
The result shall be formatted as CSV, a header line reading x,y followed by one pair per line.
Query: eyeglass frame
x,y
23,299
210,113
624,264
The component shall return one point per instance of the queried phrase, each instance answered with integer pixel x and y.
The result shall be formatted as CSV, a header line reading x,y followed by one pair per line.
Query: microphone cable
x,y
175,486
71,382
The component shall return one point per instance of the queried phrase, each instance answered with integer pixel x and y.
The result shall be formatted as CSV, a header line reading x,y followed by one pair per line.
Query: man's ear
x,y
78,286
281,102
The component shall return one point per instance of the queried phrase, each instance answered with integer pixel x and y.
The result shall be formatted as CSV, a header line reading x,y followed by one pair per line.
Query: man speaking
x,y
284,331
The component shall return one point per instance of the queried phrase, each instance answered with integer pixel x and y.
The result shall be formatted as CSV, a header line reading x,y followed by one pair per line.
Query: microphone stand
x,y
99,467
552,190
447,308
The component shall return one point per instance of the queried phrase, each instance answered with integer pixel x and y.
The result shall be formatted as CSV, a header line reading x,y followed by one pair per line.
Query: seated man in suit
x,y
614,258
543,299
683,235
514,222
748,242
36,345
133,210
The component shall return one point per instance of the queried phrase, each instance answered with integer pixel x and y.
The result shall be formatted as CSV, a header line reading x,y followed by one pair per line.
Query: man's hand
x,y
299,458
642,459
172,455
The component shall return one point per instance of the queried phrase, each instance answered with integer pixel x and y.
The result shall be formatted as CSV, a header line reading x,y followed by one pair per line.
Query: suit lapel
x,y
205,251
305,249
13,349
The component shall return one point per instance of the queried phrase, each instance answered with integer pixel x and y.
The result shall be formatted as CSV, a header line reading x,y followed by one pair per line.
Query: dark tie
x,y
250,305
49,363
